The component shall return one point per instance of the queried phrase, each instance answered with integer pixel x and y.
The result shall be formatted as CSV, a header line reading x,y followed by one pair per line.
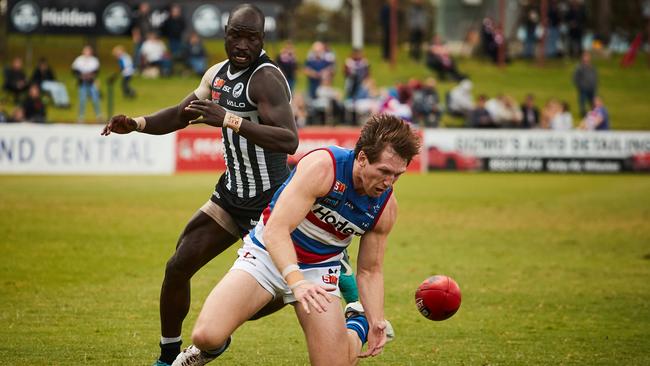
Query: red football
x,y
438,297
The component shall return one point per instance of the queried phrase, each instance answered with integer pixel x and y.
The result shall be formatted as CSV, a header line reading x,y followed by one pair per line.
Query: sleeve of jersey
x,y
204,89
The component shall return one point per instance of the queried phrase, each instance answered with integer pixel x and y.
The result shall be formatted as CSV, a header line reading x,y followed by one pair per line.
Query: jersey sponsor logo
x,y
331,202
216,96
339,187
218,83
239,88
337,221
330,278
227,89
232,103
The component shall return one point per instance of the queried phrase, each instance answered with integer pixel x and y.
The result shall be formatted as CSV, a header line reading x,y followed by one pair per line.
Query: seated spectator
x,y
440,61
15,80
34,107
44,77
196,56
125,63
356,71
551,109
18,114
460,101
426,104
505,111
288,63
299,108
155,56
479,117
328,104
396,103
562,121
597,119
368,102
530,113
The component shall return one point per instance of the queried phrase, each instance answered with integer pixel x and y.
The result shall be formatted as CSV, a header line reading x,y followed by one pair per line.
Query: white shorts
x,y
258,263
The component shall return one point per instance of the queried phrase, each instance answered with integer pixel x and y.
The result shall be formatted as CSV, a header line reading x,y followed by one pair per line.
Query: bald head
x,y
247,15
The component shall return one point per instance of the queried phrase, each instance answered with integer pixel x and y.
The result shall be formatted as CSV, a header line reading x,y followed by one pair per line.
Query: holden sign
x,y
117,18
26,16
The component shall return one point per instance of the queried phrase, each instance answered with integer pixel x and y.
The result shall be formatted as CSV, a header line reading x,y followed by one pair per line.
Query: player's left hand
x,y
210,113
376,339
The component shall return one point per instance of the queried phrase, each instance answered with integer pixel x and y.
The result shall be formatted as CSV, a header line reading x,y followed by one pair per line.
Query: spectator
x,y
142,25
125,63
368,102
18,114
440,61
551,110
86,67
530,33
576,19
155,56
489,39
328,104
197,57
44,77
316,66
384,21
173,29
34,107
597,119
356,71
4,116
418,23
426,104
479,117
288,63
299,108
553,31
562,121
460,101
530,113
397,103
505,111
15,80
585,79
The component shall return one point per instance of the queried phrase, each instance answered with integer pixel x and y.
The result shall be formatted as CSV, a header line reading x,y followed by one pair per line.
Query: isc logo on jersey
x,y
337,221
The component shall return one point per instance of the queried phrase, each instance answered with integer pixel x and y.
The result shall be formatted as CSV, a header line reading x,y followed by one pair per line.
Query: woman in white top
x,y
86,68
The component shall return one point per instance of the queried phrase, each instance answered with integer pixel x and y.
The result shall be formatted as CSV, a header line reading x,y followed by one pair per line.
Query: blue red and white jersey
x,y
333,220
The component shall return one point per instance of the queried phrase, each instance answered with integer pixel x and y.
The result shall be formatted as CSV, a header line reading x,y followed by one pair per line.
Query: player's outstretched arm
x,y
313,178
370,277
164,121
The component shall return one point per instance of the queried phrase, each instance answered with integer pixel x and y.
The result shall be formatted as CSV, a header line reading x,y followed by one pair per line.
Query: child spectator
x,y
197,57
34,107
125,63
597,119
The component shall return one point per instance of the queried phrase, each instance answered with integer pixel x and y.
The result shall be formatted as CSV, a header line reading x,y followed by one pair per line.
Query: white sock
x,y
165,340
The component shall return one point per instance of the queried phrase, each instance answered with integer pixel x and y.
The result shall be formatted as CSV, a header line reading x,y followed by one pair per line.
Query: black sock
x,y
169,351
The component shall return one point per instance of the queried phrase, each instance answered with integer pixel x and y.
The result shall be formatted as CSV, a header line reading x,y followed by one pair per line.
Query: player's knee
x,y
176,269
208,339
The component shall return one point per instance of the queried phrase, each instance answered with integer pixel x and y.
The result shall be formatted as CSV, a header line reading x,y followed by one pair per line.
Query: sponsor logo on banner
x,y
26,16
206,20
117,18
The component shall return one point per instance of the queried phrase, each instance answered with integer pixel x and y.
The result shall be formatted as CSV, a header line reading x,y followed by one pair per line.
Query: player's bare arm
x,y
268,90
162,122
370,277
313,178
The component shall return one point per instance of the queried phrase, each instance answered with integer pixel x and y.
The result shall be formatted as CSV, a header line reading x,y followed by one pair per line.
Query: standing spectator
x,y
34,107
384,21
316,66
288,63
418,22
530,113
142,25
530,33
585,79
440,61
597,119
86,67
155,55
125,63
489,39
44,77
553,31
356,71
197,57
562,121
15,79
576,20
173,29
479,117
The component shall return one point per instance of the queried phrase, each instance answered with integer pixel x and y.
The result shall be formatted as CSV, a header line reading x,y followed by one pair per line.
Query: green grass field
x,y
554,269
625,91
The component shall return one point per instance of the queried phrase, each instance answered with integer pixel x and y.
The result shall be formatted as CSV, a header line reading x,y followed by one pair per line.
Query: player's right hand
x,y
120,124
311,295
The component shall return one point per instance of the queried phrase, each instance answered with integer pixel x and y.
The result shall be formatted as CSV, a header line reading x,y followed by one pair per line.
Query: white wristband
x,y
288,269
140,122
299,283
232,121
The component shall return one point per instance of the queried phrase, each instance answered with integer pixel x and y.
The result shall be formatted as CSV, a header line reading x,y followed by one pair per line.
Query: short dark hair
x,y
385,130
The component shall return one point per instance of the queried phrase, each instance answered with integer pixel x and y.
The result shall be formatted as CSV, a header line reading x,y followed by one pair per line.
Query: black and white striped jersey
x,y
251,169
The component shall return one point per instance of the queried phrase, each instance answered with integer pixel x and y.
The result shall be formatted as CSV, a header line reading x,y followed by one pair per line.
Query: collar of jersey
x,y
239,73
